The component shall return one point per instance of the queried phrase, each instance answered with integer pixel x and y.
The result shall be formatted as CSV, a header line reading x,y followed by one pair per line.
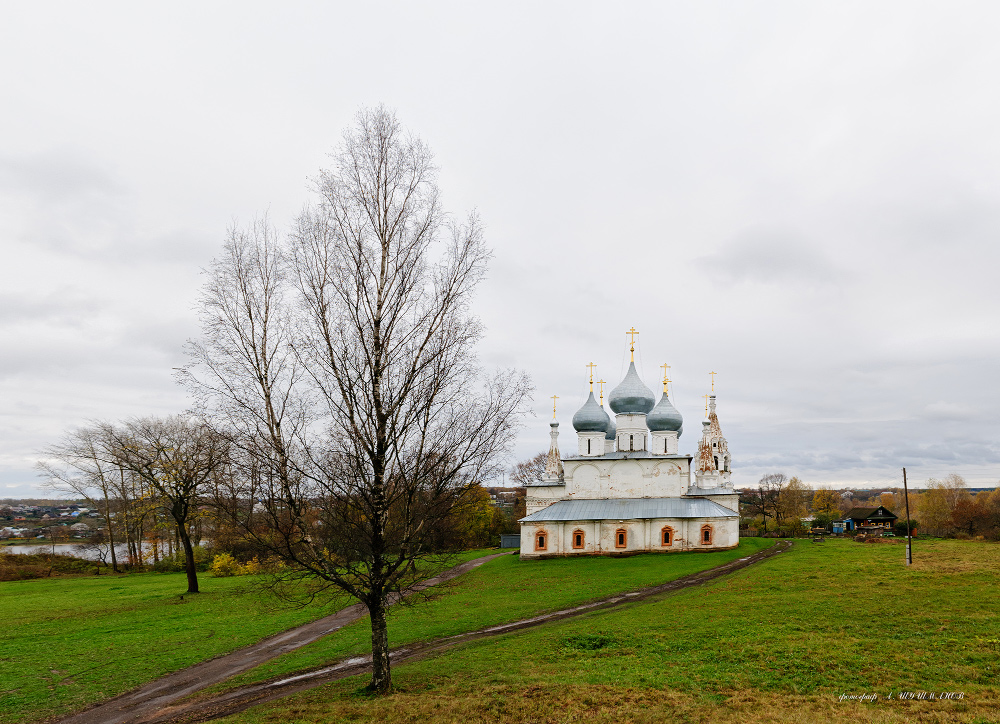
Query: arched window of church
x,y
667,536
541,540
621,538
578,539
631,442
716,462
706,535
664,444
588,446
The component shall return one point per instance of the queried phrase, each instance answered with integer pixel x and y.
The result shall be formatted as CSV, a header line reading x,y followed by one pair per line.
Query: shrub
x,y
224,565
792,529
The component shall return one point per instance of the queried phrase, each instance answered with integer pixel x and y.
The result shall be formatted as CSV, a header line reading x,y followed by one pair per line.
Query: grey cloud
x,y
56,177
81,208
774,257
66,306
164,337
847,236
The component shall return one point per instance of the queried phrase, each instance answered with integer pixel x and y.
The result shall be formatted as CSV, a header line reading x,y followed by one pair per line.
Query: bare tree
x,y
529,471
770,487
83,464
340,364
177,457
765,499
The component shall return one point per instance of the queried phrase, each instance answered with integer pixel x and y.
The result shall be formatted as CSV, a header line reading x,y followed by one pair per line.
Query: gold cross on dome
x,y
632,334
706,405
602,383
554,398
665,367
713,374
591,367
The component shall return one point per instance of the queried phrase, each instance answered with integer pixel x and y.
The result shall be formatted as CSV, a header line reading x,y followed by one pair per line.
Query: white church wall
x,y
588,528
667,479
538,497
584,480
642,536
663,443
626,480
638,478
529,537
590,443
726,501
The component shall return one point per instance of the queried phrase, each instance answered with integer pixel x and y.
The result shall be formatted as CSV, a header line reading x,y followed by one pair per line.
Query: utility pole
x,y
909,539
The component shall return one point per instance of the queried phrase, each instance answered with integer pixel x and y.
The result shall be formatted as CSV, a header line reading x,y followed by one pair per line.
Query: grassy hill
x,y
69,642
779,642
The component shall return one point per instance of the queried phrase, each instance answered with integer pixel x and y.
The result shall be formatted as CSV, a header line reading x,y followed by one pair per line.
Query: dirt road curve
x,y
237,700
155,702
148,701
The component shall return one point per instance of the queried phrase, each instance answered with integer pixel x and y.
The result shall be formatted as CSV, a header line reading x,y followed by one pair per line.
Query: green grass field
x,y
778,642
504,590
69,641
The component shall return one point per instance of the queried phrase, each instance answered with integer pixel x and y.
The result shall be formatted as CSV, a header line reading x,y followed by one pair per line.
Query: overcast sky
x,y
802,197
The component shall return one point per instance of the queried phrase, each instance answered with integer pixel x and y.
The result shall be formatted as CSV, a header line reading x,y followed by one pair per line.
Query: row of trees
x,y
944,508
138,473
947,508
156,480
778,503
336,376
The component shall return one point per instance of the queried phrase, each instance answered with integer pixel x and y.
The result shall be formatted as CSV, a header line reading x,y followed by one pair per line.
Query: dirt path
x,y
155,697
237,700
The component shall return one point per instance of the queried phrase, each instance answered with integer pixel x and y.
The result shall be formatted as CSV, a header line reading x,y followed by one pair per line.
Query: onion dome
x,y
665,417
631,396
612,429
591,417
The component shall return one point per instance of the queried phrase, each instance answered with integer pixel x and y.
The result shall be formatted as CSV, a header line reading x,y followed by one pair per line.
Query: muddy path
x,y
231,702
155,697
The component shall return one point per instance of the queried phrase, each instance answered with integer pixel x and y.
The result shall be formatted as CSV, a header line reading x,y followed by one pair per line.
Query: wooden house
x,y
869,520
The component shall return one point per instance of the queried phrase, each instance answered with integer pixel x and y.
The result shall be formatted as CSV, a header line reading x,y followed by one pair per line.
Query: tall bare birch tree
x,y
341,365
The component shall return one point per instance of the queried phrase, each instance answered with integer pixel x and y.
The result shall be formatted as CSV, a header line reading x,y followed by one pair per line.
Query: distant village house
x,y
866,520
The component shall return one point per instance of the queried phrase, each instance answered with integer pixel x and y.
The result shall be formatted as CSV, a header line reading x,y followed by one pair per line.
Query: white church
x,y
627,489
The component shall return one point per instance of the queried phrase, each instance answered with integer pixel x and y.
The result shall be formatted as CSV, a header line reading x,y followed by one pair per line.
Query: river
x,y
67,549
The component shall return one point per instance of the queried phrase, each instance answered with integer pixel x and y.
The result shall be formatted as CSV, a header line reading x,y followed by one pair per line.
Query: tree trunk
x,y
192,573
381,674
111,535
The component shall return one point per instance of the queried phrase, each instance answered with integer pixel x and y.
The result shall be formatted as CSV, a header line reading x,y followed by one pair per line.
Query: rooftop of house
x,y
877,513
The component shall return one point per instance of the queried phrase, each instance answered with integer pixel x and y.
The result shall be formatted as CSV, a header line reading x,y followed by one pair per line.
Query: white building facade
x,y
627,489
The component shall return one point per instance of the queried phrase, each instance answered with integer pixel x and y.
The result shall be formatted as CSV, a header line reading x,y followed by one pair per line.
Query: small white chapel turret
x,y
553,463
